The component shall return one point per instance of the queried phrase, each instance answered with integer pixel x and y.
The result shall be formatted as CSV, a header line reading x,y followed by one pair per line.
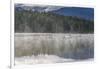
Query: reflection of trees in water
x,y
68,46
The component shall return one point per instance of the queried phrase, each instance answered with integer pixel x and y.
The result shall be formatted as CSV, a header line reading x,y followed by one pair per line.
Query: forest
x,y
48,22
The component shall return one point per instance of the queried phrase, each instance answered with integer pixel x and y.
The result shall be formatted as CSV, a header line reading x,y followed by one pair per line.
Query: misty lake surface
x,y
33,48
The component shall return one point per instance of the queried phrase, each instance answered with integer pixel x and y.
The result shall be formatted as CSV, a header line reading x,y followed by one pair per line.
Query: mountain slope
x,y
27,7
85,13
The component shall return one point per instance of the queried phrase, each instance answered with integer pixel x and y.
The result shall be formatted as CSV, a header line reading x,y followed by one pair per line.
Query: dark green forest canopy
x,y
47,22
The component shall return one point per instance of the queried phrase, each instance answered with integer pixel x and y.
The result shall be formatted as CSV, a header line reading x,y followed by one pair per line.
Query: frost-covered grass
x,y
70,46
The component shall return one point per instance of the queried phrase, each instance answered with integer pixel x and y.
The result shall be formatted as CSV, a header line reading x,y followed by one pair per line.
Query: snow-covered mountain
x,y
81,12
20,7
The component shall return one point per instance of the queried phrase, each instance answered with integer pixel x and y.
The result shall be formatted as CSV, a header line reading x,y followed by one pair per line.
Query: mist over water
x,y
61,46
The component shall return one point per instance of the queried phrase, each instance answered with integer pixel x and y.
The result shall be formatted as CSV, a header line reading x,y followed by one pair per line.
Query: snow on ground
x,y
45,59
40,59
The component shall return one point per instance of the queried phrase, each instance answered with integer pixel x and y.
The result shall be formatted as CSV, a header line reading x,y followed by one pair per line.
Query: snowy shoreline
x,y
45,59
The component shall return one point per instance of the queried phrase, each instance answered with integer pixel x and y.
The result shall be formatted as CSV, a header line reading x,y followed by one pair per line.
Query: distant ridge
x,y
27,7
85,13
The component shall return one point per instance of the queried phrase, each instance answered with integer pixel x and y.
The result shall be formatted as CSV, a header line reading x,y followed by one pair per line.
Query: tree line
x,y
48,22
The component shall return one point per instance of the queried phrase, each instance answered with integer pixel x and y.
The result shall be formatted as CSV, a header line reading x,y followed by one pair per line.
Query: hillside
x,y
48,22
